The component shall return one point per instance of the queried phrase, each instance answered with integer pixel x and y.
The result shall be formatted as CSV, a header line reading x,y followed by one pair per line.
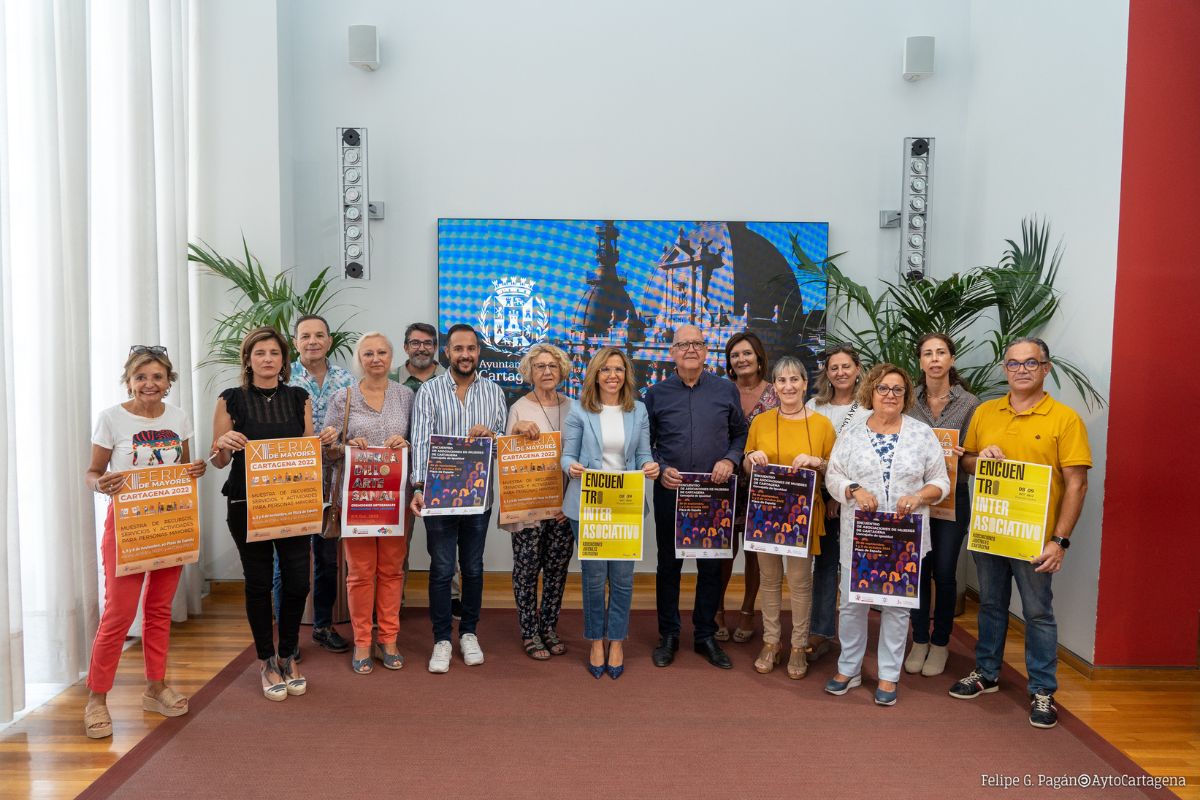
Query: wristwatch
x,y
1064,543
854,487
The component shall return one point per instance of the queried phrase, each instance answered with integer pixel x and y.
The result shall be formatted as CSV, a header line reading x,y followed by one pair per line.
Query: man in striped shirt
x,y
458,403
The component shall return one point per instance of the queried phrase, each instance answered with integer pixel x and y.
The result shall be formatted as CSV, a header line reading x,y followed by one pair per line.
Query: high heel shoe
x,y
797,666
768,657
740,634
296,684
273,691
389,660
597,672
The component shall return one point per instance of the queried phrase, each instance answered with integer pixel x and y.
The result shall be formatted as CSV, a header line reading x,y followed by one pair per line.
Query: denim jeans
x,y
666,584
996,575
825,581
601,621
445,537
940,568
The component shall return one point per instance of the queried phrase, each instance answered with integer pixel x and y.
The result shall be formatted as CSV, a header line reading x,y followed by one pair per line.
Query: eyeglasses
x,y
884,391
612,370
148,350
420,344
685,346
547,367
1030,364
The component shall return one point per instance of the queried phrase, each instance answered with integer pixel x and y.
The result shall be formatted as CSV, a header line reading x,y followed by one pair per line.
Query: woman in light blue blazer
x,y
608,429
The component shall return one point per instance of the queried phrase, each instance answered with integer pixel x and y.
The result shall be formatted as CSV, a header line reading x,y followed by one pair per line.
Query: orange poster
x,y
948,438
283,488
157,520
531,479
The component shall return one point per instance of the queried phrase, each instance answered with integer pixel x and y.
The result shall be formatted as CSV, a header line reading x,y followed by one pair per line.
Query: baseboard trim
x,y
1068,657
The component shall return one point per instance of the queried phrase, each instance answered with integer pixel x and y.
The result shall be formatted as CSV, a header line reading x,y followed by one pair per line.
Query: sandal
x,y
742,635
363,666
270,689
165,703
555,645
722,634
768,658
535,649
297,684
97,722
797,666
389,660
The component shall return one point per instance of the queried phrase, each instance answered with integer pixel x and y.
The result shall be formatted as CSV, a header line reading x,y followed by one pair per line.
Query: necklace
x,y
265,396
807,433
553,425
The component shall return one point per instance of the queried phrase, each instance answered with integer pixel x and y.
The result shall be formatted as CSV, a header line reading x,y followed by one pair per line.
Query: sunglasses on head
x,y
147,350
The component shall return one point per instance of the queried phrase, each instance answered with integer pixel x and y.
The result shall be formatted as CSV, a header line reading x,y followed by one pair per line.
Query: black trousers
x,y
666,586
258,566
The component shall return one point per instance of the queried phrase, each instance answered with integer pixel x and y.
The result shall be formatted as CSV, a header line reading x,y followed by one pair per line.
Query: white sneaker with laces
x,y
471,652
440,660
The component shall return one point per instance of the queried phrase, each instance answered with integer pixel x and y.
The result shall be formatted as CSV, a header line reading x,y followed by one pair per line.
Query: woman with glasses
x,y
891,463
141,432
544,547
608,429
942,401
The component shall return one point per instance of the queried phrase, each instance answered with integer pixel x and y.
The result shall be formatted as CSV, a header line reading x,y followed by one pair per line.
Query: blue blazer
x,y
583,442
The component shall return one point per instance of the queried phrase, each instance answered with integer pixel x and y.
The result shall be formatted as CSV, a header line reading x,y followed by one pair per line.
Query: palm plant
x,y
263,300
981,309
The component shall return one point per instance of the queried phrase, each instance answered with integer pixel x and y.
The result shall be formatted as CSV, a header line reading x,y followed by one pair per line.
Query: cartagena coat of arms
x,y
513,318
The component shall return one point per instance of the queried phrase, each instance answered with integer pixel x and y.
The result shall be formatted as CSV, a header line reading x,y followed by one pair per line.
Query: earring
x,y
167,393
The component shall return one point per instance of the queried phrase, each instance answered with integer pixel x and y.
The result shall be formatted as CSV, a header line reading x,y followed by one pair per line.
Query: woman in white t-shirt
x,y
608,429
141,432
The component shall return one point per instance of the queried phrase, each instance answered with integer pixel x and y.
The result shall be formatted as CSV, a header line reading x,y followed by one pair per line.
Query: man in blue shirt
x,y
696,425
313,373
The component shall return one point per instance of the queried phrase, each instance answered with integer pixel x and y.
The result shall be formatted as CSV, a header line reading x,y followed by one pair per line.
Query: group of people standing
x,y
866,433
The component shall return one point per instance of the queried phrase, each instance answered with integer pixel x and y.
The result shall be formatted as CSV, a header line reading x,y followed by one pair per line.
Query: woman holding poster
x,y
892,463
141,432
944,403
379,410
543,547
265,407
794,436
837,386
607,430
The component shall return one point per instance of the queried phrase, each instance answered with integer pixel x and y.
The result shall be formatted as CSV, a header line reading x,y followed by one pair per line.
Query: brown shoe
x,y
817,647
768,657
797,666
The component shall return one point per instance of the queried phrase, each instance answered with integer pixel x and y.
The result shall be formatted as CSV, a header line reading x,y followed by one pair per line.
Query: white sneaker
x,y
440,660
471,652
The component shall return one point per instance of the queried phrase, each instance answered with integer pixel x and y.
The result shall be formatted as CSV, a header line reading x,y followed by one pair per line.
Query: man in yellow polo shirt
x,y
1027,425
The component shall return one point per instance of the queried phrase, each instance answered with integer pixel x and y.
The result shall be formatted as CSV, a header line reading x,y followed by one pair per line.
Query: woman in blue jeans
x,y
608,429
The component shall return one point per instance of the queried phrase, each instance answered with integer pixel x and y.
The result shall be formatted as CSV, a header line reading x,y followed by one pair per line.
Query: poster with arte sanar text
x,y
885,568
157,518
374,480
1009,509
704,516
779,510
611,507
284,492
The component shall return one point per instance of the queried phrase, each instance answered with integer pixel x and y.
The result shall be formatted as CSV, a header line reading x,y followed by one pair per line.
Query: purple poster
x,y
886,565
704,517
779,510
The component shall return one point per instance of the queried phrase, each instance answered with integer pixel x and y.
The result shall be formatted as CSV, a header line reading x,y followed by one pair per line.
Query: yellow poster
x,y
283,488
157,520
531,478
1008,513
610,515
948,438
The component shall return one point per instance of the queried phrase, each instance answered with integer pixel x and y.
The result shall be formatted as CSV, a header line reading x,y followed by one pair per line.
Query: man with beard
x,y
457,403
420,345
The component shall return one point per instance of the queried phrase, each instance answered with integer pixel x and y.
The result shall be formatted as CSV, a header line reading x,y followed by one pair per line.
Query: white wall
x,y
705,110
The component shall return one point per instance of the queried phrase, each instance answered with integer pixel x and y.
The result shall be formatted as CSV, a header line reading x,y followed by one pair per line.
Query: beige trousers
x,y
770,596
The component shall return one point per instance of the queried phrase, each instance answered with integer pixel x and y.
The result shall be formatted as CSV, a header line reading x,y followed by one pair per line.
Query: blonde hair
x,y
138,360
589,397
560,358
356,366
824,395
866,392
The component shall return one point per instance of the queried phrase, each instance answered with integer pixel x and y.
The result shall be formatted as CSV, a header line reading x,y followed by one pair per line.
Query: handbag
x,y
331,527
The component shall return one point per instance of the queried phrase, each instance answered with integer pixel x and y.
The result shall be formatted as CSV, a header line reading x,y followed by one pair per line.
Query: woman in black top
x,y
265,407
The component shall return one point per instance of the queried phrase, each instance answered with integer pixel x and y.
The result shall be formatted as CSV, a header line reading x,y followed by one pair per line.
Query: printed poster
x,y
704,516
457,478
283,488
1008,513
374,483
157,519
531,478
948,438
885,569
610,515
778,512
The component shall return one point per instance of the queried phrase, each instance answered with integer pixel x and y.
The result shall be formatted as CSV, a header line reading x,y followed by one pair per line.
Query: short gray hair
x,y
355,362
1029,340
788,364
